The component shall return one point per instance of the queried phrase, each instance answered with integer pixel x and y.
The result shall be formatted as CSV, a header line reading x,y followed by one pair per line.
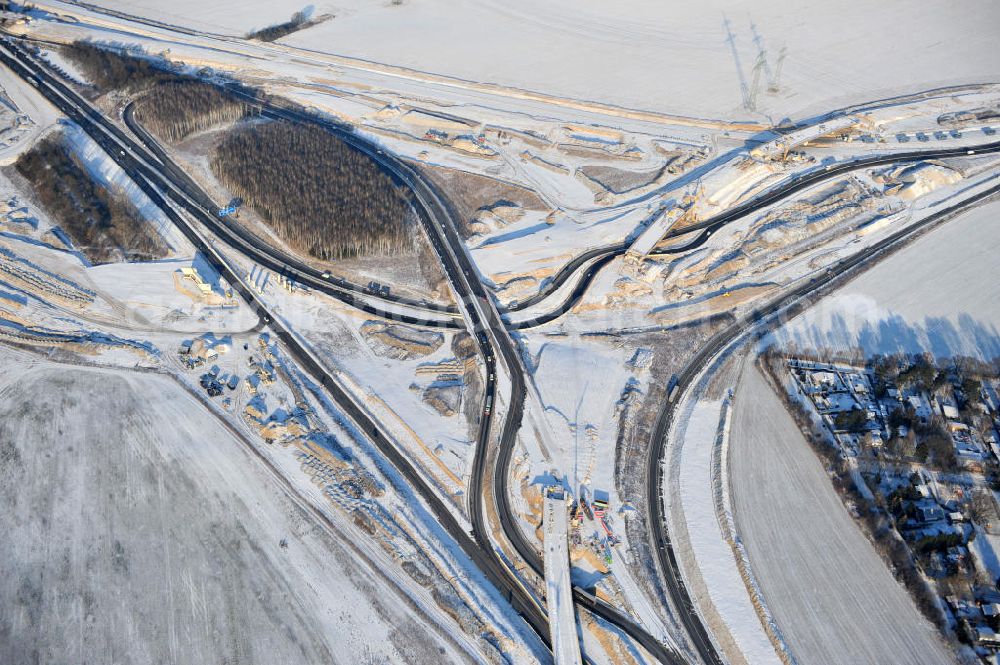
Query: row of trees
x,y
110,69
320,196
172,106
275,32
873,513
102,225
176,109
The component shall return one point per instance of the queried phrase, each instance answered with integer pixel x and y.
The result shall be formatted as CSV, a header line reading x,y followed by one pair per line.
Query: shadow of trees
x,y
940,336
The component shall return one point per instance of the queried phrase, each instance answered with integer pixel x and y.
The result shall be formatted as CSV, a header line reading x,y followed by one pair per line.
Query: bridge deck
x,y
558,589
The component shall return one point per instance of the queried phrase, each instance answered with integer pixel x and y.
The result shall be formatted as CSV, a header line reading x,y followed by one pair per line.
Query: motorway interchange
x,y
182,200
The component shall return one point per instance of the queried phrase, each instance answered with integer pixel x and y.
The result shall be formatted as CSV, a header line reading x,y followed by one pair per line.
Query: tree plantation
x,y
103,225
109,69
174,110
319,195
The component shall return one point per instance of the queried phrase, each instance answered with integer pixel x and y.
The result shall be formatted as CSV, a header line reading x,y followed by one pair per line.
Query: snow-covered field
x,y
939,295
832,596
129,314
138,529
580,383
641,53
541,98
148,291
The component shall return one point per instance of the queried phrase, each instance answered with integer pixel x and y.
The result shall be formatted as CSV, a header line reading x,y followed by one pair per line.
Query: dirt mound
x,y
400,342
445,397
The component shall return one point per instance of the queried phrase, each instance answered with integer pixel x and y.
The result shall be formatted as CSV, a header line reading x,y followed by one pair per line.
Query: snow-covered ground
x,y
106,172
581,382
149,292
939,295
139,529
699,431
539,97
986,548
390,381
23,101
830,593
549,143
138,315
641,54
584,389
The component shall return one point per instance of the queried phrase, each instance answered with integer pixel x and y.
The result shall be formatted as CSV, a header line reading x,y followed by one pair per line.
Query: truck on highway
x,y
672,388
489,405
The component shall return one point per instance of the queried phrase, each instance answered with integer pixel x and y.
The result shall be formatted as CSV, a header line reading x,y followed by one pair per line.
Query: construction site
x,y
462,320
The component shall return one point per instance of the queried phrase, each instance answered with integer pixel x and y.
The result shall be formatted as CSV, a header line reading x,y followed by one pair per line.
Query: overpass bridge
x,y
558,588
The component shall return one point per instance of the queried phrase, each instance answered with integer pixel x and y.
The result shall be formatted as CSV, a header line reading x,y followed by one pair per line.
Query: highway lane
x,y
498,331
483,558
486,320
440,220
603,256
471,288
597,258
238,236
565,272
479,549
594,259
493,566
788,305
135,161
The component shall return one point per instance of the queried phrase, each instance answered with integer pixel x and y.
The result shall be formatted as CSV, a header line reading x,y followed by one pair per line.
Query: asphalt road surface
x,y
759,319
490,332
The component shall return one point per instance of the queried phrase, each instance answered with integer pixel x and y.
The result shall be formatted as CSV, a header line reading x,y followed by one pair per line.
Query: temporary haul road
x,y
789,304
439,219
136,162
599,257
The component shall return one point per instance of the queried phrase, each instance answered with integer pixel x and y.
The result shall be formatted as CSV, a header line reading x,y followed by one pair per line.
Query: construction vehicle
x,y
672,388
378,289
612,538
586,507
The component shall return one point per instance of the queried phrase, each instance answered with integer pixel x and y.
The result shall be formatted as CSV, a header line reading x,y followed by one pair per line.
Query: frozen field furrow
x,y
138,530
831,594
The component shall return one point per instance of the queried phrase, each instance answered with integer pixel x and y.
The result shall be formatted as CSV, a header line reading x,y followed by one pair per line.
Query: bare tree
x,y
104,225
321,196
